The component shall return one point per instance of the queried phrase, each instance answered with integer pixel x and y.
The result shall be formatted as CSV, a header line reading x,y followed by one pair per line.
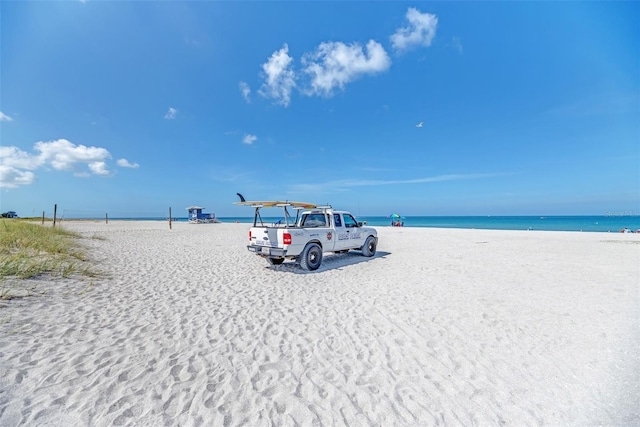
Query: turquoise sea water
x,y
609,223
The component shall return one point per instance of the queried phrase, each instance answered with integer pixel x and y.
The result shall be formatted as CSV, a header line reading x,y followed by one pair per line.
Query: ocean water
x,y
608,223
604,223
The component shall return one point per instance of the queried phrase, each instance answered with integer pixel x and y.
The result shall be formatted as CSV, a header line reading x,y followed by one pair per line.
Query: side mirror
x,y
359,223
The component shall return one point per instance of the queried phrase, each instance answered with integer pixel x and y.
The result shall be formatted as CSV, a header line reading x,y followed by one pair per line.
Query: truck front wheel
x,y
311,257
369,247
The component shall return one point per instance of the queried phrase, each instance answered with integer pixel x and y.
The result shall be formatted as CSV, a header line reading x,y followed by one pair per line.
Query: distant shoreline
x,y
580,223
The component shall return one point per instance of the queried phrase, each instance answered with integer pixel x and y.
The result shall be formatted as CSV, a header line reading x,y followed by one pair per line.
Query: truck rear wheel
x,y
311,257
369,247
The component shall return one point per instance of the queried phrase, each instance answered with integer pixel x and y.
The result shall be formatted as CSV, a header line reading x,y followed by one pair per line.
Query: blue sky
x,y
129,108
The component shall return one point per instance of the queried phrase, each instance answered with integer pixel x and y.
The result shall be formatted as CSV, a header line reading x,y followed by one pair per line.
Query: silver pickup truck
x,y
303,238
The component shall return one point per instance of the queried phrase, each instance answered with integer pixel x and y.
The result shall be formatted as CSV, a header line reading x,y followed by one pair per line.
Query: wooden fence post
x,y
55,212
106,218
169,217
42,217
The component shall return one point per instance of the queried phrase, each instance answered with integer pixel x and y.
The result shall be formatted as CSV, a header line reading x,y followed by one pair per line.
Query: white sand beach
x,y
442,327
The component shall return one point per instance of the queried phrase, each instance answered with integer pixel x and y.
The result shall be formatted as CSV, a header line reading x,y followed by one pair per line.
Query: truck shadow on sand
x,y
330,261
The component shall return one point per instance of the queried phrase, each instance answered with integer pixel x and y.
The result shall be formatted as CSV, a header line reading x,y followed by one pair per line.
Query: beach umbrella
x,y
395,215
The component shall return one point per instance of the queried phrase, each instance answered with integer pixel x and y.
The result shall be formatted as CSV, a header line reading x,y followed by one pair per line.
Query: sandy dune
x,y
441,327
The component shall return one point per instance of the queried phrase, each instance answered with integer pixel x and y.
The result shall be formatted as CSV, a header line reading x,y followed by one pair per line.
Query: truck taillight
x,y
286,238
249,235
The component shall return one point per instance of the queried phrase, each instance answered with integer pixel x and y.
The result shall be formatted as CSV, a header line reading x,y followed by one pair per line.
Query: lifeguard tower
x,y
196,216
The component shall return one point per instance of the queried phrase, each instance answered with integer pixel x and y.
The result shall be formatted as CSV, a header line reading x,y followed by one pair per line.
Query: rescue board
x,y
275,203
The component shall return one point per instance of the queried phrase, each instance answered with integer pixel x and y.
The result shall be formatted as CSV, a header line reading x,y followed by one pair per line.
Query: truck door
x,y
342,233
354,234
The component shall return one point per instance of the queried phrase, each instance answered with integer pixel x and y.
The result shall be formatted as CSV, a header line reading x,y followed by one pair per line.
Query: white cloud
x,y
16,158
245,90
340,185
420,31
11,177
249,139
5,118
171,114
457,43
64,155
124,163
335,64
280,78
16,165
99,168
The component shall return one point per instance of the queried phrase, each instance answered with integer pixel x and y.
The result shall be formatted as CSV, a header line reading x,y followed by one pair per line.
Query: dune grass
x,y
28,250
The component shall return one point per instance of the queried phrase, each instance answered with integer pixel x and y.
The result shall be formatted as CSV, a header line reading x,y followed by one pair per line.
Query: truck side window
x,y
337,220
315,220
350,221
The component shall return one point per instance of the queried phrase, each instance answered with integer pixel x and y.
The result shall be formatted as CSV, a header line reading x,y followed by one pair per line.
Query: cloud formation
x,y
335,64
249,139
245,91
5,118
17,166
332,65
420,31
457,44
11,177
171,114
64,155
343,184
124,163
280,77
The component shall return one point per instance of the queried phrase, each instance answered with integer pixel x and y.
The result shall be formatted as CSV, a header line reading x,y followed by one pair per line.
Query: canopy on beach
x,y
395,219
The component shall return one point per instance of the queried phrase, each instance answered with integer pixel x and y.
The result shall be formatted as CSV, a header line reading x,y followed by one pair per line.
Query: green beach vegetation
x,y
29,250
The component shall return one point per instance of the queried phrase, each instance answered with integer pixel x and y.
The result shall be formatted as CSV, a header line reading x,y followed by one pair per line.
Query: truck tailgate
x,y
266,236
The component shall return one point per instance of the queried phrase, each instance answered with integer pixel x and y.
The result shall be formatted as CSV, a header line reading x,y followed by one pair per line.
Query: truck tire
x,y
275,261
311,257
369,247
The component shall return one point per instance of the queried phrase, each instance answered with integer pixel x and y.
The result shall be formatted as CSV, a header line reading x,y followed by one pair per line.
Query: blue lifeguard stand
x,y
196,215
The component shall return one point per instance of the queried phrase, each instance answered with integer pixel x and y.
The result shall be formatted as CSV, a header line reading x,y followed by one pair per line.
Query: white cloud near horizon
x,y
5,118
124,163
420,31
11,177
171,114
340,185
249,139
334,64
16,165
280,77
245,90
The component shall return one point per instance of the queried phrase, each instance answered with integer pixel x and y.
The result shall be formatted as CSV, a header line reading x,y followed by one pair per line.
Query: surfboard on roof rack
x,y
277,203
